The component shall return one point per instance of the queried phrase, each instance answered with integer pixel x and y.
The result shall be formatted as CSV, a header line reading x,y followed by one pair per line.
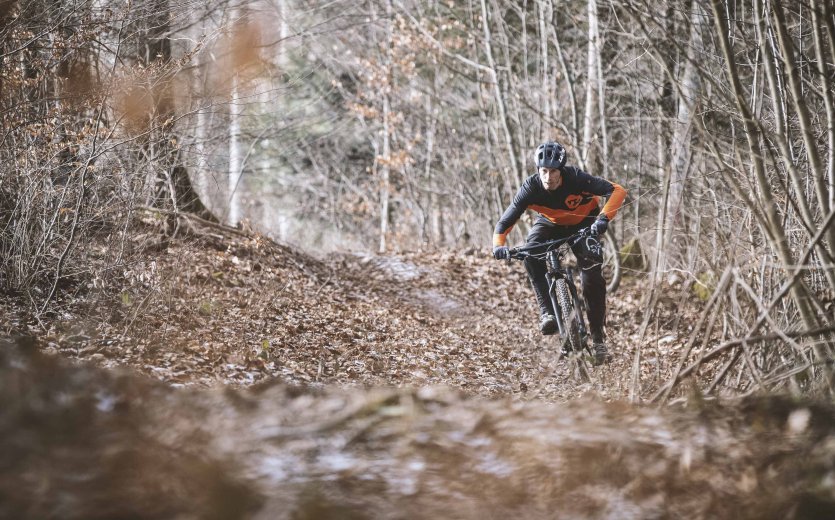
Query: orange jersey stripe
x,y
567,217
615,201
500,239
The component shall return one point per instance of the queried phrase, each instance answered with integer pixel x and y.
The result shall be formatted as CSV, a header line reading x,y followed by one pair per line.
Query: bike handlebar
x,y
523,252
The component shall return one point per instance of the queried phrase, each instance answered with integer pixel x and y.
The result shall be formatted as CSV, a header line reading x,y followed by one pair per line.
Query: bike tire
x,y
611,263
569,318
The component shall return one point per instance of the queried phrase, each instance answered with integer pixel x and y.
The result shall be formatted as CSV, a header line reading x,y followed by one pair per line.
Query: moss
x,y
632,255
704,286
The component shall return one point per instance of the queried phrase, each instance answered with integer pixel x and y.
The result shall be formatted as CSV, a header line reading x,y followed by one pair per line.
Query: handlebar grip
x,y
516,254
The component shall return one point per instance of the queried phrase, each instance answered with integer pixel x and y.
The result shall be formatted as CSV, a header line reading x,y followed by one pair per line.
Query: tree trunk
x,y
568,79
545,15
385,174
592,79
804,118
515,168
175,191
772,63
688,95
819,14
236,155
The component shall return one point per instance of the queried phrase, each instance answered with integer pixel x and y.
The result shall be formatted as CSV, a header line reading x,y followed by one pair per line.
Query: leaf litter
x,y
408,386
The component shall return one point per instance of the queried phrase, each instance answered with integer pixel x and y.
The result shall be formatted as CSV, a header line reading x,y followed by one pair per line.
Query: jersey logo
x,y
572,201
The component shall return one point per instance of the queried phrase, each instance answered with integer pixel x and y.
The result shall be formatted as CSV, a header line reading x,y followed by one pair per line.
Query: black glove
x,y
501,252
600,225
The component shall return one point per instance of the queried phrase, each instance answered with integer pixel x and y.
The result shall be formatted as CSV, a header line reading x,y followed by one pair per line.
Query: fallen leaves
x,y
196,315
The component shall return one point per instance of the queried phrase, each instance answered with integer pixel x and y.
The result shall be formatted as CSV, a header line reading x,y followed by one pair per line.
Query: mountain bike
x,y
568,305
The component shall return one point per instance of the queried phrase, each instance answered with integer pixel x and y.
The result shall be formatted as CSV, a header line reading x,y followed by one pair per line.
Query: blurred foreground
x,y
84,442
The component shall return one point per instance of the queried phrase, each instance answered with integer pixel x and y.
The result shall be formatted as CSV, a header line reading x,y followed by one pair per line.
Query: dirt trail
x,y
243,310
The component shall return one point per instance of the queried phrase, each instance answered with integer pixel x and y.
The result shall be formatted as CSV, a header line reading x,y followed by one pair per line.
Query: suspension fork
x,y
555,304
578,303
552,262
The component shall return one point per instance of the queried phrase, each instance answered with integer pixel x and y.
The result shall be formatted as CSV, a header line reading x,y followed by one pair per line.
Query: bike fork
x,y
552,282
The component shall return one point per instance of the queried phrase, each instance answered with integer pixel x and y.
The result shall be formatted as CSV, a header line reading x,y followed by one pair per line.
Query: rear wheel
x,y
611,263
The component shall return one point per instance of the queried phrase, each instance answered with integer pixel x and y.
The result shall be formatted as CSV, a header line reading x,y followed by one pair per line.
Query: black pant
x,y
589,253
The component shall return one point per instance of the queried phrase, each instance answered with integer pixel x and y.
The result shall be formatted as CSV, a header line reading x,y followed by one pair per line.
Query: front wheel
x,y
572,339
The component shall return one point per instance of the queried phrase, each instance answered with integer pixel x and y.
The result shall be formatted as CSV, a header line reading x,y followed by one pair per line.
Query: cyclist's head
x,y
550,155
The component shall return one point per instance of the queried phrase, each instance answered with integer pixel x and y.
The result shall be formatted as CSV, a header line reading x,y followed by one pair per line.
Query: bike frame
x,y
553,253
556,271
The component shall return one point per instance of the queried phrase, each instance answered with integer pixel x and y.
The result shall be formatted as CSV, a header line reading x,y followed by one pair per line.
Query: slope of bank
x,y
242,309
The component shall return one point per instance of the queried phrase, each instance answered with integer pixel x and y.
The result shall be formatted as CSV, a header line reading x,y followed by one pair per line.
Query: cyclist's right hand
x,y
501,252
600,225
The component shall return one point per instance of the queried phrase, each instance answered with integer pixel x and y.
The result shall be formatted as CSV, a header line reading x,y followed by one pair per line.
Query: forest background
x,y
398,125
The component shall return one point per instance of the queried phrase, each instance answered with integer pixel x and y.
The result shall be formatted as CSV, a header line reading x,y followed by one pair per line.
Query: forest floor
x,y
241,309
402,386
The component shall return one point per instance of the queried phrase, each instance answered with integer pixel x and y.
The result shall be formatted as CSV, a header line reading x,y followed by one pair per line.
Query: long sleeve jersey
x,y
577,198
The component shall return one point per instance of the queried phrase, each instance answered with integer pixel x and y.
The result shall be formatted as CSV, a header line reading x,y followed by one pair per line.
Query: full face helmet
x,y
550,155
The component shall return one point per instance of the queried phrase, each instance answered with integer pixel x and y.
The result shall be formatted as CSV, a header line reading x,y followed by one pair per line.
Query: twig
x,y
722,373
708,331
324,284
635,384
74,228
735,343
202,221
755,373
738,280
720,288
764,313
649,310
790,373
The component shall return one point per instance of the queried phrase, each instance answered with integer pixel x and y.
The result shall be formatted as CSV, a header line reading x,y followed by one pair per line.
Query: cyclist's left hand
x,y
600,225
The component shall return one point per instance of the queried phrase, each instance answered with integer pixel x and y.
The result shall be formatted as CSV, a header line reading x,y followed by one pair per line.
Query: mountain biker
x,y
567,200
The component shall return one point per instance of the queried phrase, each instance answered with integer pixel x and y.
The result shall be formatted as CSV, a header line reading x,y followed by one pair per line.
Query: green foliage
x,y
632,255
265,349
206,308
705,285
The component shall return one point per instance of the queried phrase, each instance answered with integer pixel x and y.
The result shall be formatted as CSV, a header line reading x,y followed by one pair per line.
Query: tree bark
x,y
236,155
385,176
568,79
175,186
819,14
545,14
688,95
589,120
771,61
